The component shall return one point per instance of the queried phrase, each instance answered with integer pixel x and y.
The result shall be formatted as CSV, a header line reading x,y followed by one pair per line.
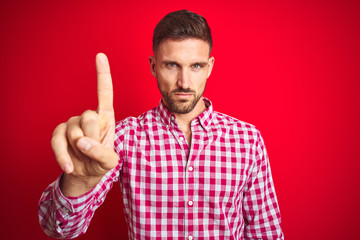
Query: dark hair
x,y
180,25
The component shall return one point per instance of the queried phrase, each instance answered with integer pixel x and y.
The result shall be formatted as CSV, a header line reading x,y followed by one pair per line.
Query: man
x,y
185,170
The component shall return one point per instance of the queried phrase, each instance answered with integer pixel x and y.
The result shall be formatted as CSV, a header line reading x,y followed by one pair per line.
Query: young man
x,y
185,170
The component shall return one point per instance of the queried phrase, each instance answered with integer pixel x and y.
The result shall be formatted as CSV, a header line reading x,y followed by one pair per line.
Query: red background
x,y
292,69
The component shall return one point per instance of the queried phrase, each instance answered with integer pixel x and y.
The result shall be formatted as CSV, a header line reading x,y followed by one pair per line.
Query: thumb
x,y
105,156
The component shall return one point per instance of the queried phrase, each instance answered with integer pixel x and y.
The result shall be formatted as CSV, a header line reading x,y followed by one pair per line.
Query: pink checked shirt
x,y
220,187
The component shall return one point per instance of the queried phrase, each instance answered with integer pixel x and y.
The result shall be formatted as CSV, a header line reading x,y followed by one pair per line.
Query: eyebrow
x,y
168,61
200,63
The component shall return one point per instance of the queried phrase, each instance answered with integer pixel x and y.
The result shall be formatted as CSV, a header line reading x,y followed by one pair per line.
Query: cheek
x,y
199,80
163,84
166,79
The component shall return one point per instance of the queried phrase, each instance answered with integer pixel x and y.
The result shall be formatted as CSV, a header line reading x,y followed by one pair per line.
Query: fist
x,y
84,145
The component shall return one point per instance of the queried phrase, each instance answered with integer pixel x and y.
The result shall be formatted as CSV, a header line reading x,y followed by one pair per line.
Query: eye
x,y
171,65
197,66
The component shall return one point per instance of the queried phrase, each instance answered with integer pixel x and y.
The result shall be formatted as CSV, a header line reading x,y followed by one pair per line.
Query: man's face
x,y
181,68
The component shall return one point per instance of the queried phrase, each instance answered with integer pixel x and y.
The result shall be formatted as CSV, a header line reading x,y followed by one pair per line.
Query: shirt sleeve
x,y
260,207
68,217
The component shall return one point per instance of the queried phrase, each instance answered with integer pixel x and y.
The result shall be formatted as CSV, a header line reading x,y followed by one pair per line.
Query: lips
x,y
183,95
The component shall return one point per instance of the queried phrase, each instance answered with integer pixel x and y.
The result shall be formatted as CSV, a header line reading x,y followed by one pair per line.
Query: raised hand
x,y
84,145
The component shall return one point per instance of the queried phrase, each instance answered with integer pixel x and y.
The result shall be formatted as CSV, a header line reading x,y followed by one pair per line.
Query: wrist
x,y
72,186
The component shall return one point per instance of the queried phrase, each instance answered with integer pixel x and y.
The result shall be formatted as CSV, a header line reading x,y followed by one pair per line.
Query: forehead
x,y
187,49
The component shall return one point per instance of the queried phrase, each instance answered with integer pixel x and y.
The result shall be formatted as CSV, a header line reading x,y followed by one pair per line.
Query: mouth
x,y
183,95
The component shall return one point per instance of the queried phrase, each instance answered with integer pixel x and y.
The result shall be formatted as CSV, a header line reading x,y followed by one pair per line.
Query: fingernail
x,y
84,145
67,168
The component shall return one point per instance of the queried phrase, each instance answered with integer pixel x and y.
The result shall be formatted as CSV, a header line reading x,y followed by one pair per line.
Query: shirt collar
x,y
204,119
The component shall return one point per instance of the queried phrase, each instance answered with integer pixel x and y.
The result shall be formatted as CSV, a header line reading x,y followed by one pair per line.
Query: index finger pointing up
x,y
104,83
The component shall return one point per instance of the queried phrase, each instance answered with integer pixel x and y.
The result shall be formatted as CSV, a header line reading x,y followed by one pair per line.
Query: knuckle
x,y
73,120
59,128
73,134
73,130
56,140
89,114
89,117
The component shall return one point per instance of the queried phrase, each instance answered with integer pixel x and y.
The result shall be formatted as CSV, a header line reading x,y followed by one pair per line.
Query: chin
x,y
182,106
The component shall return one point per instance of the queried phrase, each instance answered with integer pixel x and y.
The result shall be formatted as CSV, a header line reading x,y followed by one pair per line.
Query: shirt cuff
x,y
69,205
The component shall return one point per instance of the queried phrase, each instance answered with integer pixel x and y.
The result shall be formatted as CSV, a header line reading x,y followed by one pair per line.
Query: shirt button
x,y
191,169
65,209
172,117
190,237
190,203
181,138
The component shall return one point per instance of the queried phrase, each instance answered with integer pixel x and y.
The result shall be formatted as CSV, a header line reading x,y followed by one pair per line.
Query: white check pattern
x,y
219,188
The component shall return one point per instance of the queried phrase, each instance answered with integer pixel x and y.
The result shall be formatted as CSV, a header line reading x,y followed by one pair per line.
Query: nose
x,y
183,79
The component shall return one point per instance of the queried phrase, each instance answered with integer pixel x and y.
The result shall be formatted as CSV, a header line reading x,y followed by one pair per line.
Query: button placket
x,y
191,209
192,182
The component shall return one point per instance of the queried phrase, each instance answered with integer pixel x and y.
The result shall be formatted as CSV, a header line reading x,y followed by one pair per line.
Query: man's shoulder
x,y
222,120
148,117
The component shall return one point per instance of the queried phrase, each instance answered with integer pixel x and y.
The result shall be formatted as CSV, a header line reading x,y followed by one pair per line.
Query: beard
x,y
180,106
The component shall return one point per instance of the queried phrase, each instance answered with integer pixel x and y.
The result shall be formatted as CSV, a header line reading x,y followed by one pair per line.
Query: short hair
x,y
181,25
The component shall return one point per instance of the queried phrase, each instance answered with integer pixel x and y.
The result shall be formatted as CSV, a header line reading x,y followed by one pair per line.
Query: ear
x,y
210,66
152,62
